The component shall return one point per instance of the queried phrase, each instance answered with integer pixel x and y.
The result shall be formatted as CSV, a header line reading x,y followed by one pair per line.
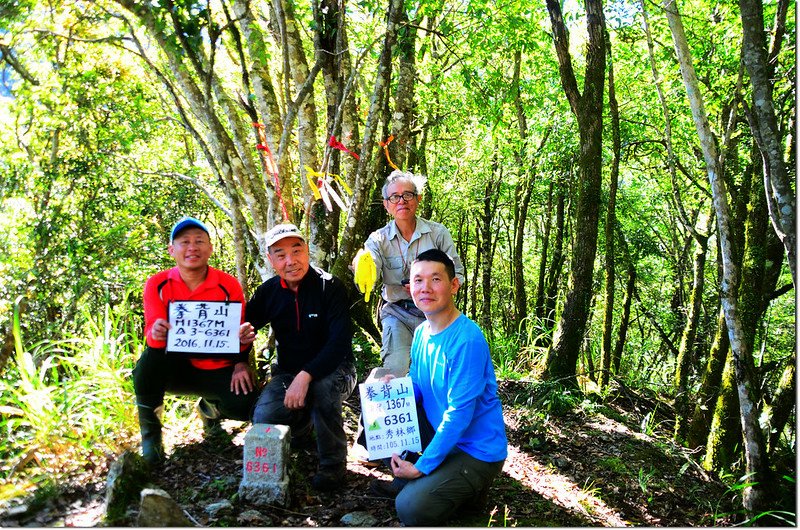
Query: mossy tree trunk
x,y
624,320
725,437
611,221
764,123
548,304
776,415
706,397
683,366
587,107
755,495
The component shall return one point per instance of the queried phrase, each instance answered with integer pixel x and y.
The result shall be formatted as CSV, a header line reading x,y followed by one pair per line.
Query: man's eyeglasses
x,y
407,196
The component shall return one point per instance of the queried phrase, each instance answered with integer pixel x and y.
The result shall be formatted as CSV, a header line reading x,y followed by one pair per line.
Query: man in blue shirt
x,y
454,383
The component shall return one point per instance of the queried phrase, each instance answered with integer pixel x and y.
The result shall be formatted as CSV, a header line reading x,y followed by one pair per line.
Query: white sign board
x,y
204,328
389,411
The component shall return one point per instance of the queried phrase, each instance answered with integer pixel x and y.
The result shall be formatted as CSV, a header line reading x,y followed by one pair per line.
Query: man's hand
x,y
159,329
403,469
242,379
247,333
295,397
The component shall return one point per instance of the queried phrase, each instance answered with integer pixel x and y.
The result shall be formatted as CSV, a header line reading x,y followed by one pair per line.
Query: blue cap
x,y
184,223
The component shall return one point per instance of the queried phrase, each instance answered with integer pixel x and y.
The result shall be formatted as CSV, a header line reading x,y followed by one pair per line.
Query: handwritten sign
x,y
204,328
390,417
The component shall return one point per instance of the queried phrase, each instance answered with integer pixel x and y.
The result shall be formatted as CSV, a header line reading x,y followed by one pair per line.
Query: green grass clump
x,y
67,403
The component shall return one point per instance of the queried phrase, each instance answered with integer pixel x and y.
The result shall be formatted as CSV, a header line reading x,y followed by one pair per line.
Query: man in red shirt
x,y
225,383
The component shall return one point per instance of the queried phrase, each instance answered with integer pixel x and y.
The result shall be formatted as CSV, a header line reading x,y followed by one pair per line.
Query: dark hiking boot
x,y
385,488
211,418
150,427
329,478
153,451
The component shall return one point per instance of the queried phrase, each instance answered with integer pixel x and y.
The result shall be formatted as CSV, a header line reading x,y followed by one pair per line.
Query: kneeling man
x,y
454,383
309,312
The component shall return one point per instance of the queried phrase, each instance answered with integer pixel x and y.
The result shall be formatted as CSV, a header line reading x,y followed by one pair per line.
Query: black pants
x,y
157,373
323,409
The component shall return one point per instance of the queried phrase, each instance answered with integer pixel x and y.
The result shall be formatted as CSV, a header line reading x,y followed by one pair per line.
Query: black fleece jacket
x,y
312,328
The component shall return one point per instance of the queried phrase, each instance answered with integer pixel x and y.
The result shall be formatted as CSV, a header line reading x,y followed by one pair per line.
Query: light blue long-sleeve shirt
x,y
453,375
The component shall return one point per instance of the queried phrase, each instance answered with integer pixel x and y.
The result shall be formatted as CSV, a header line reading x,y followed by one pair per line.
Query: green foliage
x,y
90,151
508,363
549,397
367,354
69,401
79,223
781,515
613,463
588,495
645,478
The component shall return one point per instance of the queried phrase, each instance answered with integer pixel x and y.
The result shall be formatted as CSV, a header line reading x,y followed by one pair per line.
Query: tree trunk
x,y
326,227
755,496
307,149
725,438
686,352
365,179
554,273
777,179
474,283
709,390
544,256
588,109
611,221
776,415
522,196
486,240
404,109
462,245
624,319
225,145
266,106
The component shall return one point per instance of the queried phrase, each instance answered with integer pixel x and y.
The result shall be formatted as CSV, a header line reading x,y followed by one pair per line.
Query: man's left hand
x,y
242,379
295,397
404,469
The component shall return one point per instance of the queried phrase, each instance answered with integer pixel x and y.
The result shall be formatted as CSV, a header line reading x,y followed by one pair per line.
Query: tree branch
x,y
7,56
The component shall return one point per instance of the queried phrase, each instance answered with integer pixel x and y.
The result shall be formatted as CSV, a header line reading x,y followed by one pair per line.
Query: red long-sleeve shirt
x,y
166,286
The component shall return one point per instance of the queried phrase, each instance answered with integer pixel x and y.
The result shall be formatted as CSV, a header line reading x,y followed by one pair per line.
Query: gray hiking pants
x,y
460,481
398,322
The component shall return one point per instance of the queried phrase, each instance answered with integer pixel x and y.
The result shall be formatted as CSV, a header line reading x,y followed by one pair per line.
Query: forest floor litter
x,y
591,466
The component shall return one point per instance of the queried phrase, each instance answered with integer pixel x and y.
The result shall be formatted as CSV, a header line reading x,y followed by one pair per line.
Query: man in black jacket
x,y
309,312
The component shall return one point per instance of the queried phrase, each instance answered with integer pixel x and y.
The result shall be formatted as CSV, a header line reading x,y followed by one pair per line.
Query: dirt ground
x,y
577,469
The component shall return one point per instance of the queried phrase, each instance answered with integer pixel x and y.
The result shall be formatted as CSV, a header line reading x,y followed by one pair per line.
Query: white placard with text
x,y
204,328
389,411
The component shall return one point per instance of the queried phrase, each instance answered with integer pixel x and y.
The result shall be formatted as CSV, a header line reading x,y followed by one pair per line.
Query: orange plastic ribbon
x,y
269,165
385,146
